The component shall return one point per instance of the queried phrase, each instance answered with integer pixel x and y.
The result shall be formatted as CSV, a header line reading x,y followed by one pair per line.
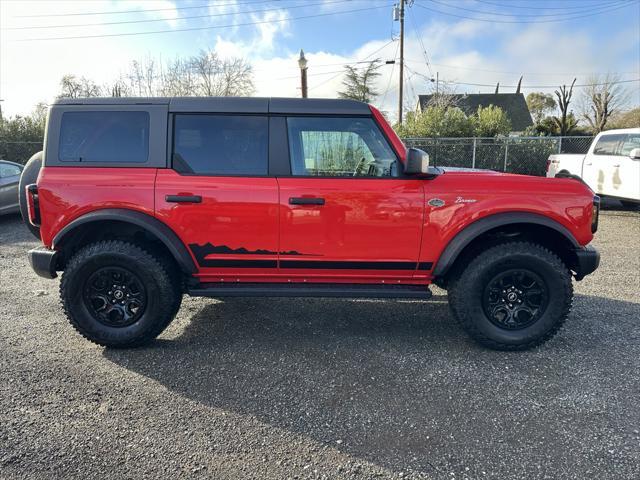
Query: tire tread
x,y
481,261
138,253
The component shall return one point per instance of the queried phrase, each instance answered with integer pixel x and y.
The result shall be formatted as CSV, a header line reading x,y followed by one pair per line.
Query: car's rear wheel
x,y
118,295
512,296
29,175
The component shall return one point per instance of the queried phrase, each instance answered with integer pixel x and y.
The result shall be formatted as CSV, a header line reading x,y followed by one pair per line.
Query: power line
x,y
147,10
459,67
424,50
534,15
393,66
152,20
523,86
212,27
361,61
523,21
538,7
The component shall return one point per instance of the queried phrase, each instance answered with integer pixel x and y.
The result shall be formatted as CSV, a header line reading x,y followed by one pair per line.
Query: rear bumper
x,y
587,260
43,261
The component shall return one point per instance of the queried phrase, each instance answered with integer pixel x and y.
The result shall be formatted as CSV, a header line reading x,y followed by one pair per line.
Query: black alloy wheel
x,y
115,296
515,299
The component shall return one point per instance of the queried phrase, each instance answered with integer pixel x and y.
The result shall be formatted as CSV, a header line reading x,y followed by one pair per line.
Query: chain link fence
x,y
524,155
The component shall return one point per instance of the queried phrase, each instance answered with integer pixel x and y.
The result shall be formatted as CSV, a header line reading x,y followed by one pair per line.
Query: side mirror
x,y
417,162
635,154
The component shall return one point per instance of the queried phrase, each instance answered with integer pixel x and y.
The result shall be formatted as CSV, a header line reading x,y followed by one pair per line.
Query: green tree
x,y
491,121
359,84
436,122
22,136
540,104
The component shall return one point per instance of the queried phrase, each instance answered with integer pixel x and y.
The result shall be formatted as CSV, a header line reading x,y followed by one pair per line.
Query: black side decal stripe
x,y
347,265
331,265
238,263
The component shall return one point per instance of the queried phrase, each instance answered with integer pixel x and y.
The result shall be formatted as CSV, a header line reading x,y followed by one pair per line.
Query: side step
x,y
309,290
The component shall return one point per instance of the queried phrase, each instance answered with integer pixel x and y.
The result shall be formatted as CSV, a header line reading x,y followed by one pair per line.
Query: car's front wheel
x,y
118,295
512,296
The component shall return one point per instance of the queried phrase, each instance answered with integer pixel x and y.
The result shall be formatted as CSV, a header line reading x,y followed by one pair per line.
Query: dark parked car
x,y
9,178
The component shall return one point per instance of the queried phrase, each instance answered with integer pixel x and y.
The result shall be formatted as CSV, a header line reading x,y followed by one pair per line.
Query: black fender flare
x,y
151,224
477,228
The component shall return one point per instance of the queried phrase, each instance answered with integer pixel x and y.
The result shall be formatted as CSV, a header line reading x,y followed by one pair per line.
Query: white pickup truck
x,y
611,167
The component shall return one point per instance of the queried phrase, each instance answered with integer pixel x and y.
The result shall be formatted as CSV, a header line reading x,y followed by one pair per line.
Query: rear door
x,y
345,214
218,196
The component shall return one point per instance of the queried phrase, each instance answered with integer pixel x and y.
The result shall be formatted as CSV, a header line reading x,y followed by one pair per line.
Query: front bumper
x,y
587,260
43,261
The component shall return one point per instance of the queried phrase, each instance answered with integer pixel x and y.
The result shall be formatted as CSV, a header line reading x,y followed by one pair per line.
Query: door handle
x,y
616,164
183,198
306,201
590,163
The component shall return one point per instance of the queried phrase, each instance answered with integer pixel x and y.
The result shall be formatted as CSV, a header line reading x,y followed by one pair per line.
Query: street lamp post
x,y
302,63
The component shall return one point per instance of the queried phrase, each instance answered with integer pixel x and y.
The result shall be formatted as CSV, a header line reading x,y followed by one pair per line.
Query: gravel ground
x,y
314,388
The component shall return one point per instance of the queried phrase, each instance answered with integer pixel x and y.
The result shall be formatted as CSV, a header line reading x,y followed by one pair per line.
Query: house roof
x,y
513,104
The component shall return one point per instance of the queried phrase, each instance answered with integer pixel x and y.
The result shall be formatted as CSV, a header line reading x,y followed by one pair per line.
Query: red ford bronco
x,y
140,200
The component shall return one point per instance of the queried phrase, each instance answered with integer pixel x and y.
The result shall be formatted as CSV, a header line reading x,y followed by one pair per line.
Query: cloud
x,y
461,51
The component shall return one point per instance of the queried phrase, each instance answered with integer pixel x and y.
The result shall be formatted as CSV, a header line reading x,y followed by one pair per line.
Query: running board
x,y
309,290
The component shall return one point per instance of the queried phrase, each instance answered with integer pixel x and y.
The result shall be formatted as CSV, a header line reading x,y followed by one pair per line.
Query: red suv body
x,y
271,197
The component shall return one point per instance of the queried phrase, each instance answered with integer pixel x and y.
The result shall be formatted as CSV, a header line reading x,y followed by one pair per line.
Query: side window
x,y
106,136
632,141
221,144
338,146
9,170
608,144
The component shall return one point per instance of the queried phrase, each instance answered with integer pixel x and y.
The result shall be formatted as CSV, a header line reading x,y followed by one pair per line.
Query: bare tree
x,y
143,78
204,74
565,122
179,79
207,68
443,95
236,78
601,99
74,87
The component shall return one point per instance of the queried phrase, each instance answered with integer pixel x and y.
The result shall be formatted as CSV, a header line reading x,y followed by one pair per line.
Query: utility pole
x,y
401,80
302,63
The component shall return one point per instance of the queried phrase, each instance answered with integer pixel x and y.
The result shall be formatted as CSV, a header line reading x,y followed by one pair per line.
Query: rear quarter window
x,y
104,136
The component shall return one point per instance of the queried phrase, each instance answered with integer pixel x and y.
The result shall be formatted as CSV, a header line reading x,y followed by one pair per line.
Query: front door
x,y
218,196
628,180
345,215
599,170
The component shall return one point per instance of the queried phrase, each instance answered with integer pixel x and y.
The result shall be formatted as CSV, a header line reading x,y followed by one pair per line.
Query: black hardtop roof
x,y
234,104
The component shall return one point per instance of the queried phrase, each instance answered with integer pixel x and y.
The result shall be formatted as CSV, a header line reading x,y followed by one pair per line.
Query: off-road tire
x,y
162,295
466,292
29,175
